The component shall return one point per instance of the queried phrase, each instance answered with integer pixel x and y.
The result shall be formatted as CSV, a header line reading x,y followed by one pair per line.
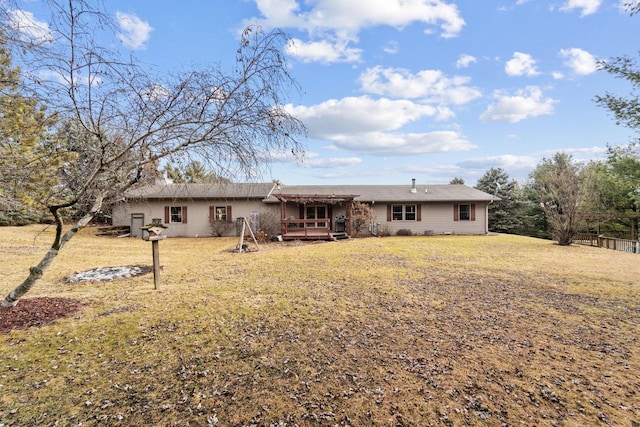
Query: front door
x,y
137,222
318,212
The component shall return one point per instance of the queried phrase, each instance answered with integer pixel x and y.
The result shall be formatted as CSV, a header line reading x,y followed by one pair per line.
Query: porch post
x,y
283,213
348,217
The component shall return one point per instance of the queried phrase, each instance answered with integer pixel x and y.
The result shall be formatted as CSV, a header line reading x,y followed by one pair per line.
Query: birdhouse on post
x,y
155,233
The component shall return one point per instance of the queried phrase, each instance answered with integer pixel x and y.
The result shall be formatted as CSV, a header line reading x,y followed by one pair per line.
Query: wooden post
x,y
155,247
156,233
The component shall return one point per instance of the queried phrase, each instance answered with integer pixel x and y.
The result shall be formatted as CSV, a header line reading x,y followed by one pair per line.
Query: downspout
x,y
283,213
486,217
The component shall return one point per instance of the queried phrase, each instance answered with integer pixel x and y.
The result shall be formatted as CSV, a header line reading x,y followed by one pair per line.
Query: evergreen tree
x,y
503,214
633,6
621,175
194,173
174,174
613,189
29,157
532,218
626,109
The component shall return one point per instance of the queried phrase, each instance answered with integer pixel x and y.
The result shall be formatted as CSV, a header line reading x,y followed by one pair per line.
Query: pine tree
x,y
503,214
29,158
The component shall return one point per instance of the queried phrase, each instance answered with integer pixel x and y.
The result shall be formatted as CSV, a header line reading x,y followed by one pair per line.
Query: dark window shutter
x,y
212,214
229,216
456,212
473,211
418,212
184,214
388,213
167,216
302,212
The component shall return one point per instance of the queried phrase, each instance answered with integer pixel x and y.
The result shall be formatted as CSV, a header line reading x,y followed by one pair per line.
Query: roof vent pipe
x,y
413,185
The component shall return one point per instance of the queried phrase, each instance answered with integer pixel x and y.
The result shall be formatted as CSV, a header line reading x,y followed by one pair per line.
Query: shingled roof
x,y
394,193
268,192
202,191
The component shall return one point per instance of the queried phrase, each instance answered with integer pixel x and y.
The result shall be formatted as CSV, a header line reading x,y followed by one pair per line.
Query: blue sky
x,y
427,89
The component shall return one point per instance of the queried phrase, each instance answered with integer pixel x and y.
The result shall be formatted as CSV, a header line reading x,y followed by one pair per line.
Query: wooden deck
x,y
305,229
313,235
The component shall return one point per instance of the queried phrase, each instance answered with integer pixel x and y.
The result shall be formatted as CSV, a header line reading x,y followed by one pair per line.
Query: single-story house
x,y
303,211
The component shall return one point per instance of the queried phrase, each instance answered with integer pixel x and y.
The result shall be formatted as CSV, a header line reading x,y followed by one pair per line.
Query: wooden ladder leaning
x,y
241,246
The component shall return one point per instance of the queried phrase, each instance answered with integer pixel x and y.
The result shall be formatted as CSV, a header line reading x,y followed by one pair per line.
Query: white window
x,y
465,212
403,212
221,213
176,213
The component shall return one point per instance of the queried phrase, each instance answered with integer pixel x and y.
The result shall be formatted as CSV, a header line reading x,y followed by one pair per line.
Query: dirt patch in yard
x,y
41,311
36,312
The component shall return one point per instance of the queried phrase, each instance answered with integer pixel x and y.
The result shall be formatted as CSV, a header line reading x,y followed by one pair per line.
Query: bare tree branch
x,y
117,118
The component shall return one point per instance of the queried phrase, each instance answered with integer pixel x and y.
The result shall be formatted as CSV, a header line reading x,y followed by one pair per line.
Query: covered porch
x,y
314,219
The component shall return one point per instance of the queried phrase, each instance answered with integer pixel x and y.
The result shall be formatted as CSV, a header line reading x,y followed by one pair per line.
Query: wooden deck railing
x,y
589,239
623,245
305,228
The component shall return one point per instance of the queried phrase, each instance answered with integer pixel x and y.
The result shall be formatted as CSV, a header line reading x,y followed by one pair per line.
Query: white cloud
x,y
399,144
506,161
355,15
365,125
29,27
333,162
587,6
430,85
580,61
134,32
156,92
522,64
584,151
391,47
333,26
355,115
323,51
465,60
525,104
79,78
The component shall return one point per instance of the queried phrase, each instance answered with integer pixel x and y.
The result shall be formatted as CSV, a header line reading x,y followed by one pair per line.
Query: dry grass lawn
x,y
413,331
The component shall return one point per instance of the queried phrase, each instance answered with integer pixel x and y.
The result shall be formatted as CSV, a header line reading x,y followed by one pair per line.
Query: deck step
x,y
339,236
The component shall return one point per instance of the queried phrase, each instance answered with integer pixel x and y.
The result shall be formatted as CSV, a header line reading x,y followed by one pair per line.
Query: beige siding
x,y
436,218
197,214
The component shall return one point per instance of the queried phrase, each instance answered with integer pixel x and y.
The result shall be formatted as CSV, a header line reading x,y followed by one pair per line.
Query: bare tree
x,y
362,216
118,118
557,183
